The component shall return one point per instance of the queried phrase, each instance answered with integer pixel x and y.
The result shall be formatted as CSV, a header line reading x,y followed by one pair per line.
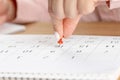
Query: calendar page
x,y
41,54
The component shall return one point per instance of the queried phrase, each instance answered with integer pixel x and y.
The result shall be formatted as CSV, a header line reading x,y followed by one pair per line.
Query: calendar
x,y
81,57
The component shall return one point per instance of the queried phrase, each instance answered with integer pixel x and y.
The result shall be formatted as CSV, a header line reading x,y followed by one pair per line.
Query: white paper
x,y
96,56
9,28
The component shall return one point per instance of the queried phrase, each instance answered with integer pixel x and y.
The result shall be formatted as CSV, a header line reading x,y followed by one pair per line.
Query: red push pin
x,y
60,41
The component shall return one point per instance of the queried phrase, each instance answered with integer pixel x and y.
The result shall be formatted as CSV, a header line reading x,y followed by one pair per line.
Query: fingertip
x,y
69,26
58,35
58,30
57,26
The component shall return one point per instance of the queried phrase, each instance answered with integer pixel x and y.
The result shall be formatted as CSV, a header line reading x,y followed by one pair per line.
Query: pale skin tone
x,y
66,14
7,10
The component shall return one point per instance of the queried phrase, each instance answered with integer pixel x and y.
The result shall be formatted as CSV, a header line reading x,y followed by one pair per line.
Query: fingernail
x,y
57,36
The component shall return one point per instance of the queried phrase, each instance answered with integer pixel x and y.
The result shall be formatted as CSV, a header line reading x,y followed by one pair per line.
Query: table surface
x,y
94,28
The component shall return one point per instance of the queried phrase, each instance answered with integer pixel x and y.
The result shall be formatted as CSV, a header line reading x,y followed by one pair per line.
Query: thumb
x,y
69,25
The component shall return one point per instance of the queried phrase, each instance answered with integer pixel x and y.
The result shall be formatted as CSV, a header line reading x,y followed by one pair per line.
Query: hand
x,y
7,10
65,14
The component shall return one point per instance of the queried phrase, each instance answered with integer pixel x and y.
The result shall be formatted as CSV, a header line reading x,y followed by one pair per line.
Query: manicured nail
x,y
57,36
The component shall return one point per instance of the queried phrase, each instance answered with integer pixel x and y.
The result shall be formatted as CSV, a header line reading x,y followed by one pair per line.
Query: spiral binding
x,y
51,76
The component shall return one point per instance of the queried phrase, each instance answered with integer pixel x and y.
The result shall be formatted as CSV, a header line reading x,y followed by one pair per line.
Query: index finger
x,y
57,14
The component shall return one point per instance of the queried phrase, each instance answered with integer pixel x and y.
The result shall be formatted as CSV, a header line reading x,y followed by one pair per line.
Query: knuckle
x,y
87,10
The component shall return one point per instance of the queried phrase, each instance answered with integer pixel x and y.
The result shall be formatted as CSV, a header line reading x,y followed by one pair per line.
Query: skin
x,y
7,10
65,14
